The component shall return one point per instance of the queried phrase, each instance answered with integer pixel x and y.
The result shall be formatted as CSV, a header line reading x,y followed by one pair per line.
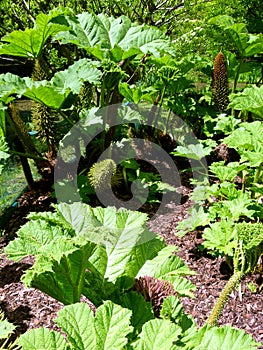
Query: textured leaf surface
x,y
30,42
250,99
197,218
112,325
43,339
191,151
164,264
115,38
77,321
219,237
34,237
158,334
226,338
61,277
52,93
123,249
168,266
233,209
246,43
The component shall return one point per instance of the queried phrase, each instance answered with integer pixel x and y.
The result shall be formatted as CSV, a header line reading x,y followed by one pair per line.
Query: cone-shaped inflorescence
x,y
220,83
154,290
44,118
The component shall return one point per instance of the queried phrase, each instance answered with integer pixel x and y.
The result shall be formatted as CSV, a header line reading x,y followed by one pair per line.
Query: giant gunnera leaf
x,y
30,42
248,141
110,328
157,334
250,100
52,93
97,252
218,338
107,330
113,38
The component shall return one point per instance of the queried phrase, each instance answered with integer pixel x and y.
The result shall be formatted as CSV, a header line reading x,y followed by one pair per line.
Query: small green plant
x,y
6,330
252,287
235,188
249,100
247,249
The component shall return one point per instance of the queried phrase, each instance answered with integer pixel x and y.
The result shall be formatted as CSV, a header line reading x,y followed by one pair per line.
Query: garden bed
x,y
30,308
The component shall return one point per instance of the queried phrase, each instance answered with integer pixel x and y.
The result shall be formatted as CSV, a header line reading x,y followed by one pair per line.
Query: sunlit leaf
x,y
113,38
30,42
250,99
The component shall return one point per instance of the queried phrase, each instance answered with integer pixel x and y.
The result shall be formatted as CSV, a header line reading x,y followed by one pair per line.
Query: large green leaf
x,y
197,151
61,274
52,93
167,266
114,38
44,339
218,338
248,141
30,42
77,321
68,264
11,84
112,325
220,237
122,234
247,44
157,334
72,79
107,330
234,208
34,237
250,99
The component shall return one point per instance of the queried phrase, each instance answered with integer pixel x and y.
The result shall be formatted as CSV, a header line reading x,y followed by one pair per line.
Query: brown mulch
x,y
30,308
244,308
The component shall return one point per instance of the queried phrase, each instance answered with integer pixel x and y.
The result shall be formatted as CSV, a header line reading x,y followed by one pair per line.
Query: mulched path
x,y
30,308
